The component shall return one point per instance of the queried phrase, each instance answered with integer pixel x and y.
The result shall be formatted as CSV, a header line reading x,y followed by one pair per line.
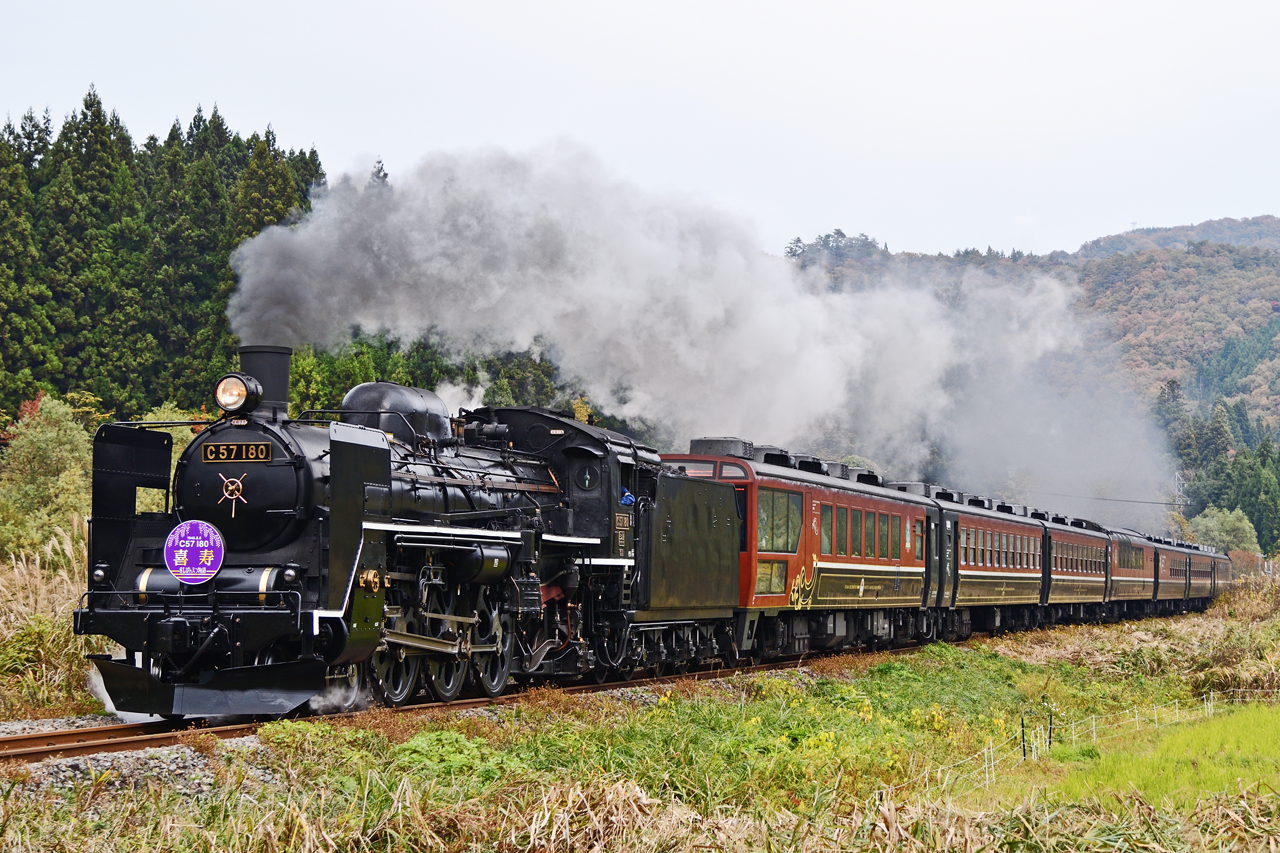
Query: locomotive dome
x,y
379,405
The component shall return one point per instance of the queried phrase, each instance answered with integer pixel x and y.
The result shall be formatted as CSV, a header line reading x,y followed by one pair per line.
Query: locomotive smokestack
x,y
270,366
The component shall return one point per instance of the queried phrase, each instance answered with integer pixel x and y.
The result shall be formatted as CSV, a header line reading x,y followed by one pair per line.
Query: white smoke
x,y
668,311
457,397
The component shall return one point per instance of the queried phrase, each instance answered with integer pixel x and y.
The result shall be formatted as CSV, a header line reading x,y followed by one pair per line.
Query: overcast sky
x,y
929,126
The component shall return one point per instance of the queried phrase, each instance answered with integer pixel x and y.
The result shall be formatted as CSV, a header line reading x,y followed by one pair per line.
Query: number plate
x,y
241,451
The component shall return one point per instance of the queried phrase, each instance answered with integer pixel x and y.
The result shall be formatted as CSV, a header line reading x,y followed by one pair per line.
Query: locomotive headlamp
x,y
290,575
99,575
237,393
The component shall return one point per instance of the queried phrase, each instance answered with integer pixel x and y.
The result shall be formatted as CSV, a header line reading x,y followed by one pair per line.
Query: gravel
x,y
25,727
177,768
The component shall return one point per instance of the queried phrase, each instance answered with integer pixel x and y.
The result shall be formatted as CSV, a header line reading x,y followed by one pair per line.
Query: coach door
x,y
947,564
1046,565
931,562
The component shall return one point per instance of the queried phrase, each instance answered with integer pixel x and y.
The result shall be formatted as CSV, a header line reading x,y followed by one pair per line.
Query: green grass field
x,y
1190,763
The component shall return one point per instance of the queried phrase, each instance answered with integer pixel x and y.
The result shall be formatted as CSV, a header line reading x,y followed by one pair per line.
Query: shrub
x,y
44,475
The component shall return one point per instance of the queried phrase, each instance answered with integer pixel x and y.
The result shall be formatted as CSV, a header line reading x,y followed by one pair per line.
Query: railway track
x,y
67,743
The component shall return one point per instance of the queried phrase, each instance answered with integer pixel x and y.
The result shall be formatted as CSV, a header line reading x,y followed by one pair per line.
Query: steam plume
x,y
668,311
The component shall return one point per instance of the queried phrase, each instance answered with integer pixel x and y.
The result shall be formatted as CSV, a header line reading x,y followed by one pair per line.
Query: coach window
x,y
964,546
706,470
842,530
883,550
871,534
855,532
778,521
826,529
895,537
919,530
1022,551
732,471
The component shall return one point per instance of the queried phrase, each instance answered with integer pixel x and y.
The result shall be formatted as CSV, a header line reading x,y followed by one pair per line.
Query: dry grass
x,y
205,743
43,672
1235,644
843,665
607,815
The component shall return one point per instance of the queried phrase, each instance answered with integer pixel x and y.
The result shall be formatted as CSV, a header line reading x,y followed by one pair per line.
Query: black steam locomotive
x,y
386,548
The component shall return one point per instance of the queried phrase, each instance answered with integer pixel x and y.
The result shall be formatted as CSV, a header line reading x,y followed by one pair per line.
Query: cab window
x,y
732,471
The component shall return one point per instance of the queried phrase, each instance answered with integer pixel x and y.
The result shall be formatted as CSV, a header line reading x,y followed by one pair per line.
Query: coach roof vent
x,y
978,500
771,455
866,475
914,488
812,464
722,446
839,469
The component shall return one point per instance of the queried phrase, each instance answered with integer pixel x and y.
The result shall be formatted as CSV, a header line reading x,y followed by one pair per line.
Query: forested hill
x,y
1206,315
114,273
1260,231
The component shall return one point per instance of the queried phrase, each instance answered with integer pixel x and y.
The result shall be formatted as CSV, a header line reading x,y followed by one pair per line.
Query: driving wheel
x,y
492,628
444,675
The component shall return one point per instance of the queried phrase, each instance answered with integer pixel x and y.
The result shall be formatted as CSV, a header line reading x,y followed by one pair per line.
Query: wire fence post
x,y
1024,737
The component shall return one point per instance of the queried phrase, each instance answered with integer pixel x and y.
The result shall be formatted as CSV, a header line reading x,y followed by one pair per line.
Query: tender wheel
x,y
491,669
445,676
395,672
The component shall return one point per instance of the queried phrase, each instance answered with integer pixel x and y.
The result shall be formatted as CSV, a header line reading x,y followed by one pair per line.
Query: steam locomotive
x,y
387,548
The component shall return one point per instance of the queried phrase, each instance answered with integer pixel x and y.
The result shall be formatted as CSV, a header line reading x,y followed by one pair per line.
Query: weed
x,y
205,743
